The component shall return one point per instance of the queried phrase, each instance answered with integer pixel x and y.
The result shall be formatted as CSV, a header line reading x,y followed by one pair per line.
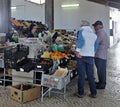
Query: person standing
x,y
85,50
101,54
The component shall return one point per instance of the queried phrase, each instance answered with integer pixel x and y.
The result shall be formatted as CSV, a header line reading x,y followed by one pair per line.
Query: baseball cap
x,y
98,23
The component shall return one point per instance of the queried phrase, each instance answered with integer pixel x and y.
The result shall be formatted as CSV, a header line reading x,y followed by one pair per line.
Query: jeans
x,y
85,68
101,71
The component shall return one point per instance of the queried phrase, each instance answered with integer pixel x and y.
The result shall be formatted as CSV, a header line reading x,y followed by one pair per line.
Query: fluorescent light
x,y
70,5
13,8
37,1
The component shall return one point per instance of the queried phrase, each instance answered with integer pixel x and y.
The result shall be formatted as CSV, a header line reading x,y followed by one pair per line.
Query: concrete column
x,y
5,15
49,14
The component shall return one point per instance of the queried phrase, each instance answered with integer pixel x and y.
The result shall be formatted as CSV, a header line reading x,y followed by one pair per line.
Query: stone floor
x,y
110,97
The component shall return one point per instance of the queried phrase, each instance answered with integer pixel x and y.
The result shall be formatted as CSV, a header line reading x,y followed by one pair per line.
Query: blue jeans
x,y
101,71
85,67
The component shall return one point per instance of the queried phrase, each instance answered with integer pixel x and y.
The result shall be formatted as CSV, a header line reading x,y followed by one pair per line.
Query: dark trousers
x,y
85,68
101,71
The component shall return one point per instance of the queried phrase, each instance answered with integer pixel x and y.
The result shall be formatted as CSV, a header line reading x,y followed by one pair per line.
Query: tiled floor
x,y
110,97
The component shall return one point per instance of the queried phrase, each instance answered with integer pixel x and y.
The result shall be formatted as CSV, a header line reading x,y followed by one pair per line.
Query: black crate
x,y
26,65
45,64
7,83
64,62
13,55
16,52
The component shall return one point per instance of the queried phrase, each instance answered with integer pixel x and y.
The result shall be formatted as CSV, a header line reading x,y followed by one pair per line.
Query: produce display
x,y
54,55
50,54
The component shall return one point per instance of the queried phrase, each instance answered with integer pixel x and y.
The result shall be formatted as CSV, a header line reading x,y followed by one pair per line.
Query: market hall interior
x,y
109,97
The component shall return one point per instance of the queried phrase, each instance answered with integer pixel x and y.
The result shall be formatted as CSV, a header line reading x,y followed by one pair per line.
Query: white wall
x,y
64,18
28,11
70,18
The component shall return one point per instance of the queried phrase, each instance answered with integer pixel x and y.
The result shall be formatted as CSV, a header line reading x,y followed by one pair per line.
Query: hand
x,y
78,55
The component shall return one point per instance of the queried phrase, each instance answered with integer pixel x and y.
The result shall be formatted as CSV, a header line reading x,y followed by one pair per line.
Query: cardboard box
x,y
25,93
61,72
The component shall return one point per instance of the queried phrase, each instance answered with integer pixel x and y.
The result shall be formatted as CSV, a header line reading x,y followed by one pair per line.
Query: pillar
x,y
49,14
5,15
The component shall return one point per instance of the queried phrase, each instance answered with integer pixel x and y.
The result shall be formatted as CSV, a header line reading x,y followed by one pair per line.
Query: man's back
x,y
88,37
103,44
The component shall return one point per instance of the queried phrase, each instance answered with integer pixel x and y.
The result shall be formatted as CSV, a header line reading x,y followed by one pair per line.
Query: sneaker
x,y
92,95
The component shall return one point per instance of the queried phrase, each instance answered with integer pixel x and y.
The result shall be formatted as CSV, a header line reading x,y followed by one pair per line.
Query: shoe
x,y
99,87
78,95
92,96
97,83
86,79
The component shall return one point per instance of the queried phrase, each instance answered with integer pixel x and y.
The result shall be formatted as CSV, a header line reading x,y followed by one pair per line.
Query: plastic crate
x,y
14,54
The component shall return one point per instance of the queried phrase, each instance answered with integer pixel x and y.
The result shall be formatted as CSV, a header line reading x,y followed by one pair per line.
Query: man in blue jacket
x,y
85,51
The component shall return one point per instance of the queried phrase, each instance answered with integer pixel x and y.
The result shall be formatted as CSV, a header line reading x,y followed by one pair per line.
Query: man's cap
x,y
98,23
